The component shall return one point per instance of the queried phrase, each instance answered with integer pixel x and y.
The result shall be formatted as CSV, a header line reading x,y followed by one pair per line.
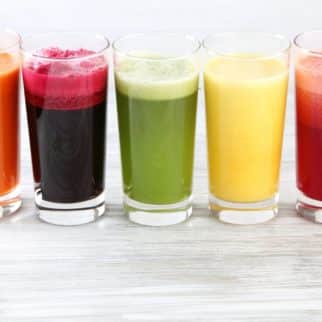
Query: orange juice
x,y
9,127
245,105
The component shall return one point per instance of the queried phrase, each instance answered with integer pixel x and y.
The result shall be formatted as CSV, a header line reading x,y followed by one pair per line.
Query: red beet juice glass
x,y
308,80
65,81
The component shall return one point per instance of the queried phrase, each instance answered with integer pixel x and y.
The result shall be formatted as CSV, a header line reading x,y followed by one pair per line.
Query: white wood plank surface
x,y
200,270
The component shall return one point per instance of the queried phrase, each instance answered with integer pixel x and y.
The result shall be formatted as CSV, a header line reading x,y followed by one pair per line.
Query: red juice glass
x,y
65,82
308,83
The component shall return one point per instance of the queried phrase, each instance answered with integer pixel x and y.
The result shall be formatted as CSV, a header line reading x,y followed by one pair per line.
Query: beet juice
x,y
308,77
65,93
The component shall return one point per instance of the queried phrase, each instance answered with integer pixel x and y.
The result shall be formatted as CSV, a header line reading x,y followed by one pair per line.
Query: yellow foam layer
x,y
246,68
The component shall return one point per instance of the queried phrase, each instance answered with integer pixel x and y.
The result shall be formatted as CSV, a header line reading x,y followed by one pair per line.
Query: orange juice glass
x,y
246,78
9,122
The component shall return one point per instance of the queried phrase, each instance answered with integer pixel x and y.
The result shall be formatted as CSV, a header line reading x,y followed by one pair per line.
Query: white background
x,y
199,16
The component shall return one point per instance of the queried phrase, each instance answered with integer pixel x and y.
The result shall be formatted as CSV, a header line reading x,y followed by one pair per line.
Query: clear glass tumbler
x,y
9,123
246,80
65,80
308,83
156,78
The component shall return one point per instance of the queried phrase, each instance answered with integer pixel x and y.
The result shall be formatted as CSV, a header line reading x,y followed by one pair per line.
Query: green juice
x,y
156,105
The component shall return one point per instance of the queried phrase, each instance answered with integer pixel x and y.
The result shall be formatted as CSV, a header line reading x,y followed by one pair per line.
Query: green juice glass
x,y
156,77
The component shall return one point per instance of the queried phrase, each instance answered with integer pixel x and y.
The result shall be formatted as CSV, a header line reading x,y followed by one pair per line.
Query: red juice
x,y
66,107
309,126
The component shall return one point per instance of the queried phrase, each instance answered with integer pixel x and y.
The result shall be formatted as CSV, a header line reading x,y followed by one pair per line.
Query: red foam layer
x,y
56,52
65,83
308,73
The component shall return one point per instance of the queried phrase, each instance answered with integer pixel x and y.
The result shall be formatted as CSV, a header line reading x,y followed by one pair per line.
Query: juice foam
x,y
65,79
149,77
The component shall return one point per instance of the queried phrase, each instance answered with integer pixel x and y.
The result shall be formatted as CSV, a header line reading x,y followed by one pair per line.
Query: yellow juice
x,y
245,107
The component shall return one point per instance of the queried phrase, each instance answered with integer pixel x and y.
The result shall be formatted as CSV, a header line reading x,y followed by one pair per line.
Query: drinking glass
x,y
65,81
156,76
10,200
308,83
245,79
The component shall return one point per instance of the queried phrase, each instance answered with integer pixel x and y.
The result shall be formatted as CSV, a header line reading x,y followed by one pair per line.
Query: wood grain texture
x,y
201,270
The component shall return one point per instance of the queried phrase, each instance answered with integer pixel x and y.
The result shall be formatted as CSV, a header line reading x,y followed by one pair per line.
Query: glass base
x,y
10,202
70,214
309,208
157,215
247,213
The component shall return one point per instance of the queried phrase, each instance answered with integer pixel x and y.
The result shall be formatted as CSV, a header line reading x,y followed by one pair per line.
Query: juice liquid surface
x,y
245,107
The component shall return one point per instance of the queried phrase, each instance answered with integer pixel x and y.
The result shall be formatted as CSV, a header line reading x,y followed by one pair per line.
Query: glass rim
x,y
15,43
43,34
185,36
307,50
284,49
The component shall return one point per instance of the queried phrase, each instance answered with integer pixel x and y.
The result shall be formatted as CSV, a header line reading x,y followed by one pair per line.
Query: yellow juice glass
x,y
245,79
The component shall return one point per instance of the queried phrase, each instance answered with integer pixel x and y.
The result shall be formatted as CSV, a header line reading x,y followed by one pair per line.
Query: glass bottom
x,y
247,213
309,208
157,215
70,214
10,202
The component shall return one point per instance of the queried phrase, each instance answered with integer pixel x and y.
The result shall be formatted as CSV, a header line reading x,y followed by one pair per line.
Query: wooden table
x,y
201,270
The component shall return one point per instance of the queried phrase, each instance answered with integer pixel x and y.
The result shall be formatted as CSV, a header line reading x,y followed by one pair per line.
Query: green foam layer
x,y
155,78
